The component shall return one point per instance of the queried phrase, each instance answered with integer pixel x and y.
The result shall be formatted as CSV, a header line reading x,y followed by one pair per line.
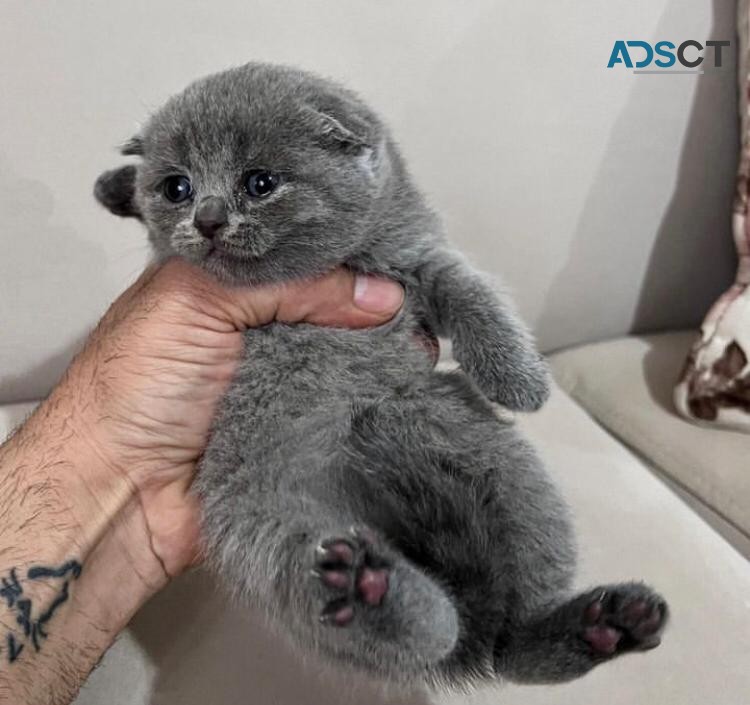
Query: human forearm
x,y
75,560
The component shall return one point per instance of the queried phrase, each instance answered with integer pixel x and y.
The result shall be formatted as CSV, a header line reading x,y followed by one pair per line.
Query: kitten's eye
x,y
260,183
177,188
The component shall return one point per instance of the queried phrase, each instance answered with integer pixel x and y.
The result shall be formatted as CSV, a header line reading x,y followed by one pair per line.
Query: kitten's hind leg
x,y
375,609
290,525
576,636
331,582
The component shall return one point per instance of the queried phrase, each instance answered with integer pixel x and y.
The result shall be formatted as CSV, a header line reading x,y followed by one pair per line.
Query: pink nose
x,y
211,216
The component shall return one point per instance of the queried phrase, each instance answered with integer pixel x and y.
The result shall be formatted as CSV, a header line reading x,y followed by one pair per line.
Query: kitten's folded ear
x,y
115,190
354,136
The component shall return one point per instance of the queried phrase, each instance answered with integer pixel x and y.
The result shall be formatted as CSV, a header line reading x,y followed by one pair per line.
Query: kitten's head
x,y
259,173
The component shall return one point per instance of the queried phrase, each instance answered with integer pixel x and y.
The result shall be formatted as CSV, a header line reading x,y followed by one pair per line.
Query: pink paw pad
x,y
353,574
602,640
372,585
621,622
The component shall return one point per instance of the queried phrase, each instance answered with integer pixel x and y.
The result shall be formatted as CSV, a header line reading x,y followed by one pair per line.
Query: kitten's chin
x,y
237,268
229,267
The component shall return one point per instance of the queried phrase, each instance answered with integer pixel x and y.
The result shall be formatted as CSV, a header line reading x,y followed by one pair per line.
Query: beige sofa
x,y
601,197
189,646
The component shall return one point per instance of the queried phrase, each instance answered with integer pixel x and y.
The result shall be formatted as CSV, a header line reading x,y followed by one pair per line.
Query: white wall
x,y
600,196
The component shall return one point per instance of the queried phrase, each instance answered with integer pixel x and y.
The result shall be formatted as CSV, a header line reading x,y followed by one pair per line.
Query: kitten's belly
x,y
288,371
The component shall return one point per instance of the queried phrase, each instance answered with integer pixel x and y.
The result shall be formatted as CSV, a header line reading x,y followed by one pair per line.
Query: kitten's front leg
x,y
490,341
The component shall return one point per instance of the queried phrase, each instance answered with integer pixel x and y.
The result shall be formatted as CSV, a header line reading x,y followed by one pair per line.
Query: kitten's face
x,y
249,175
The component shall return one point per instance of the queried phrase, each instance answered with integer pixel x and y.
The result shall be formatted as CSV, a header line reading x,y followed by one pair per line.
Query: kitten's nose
x,y
211,216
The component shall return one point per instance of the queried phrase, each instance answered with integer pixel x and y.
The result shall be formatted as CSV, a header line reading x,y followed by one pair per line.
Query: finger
x,y
341,299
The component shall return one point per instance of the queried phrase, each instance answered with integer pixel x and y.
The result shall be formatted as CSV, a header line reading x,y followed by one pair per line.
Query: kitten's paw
x,y
520,380
353,575
623,618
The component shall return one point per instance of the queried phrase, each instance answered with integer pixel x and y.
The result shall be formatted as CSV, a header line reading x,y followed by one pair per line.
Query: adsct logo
x,y
667,57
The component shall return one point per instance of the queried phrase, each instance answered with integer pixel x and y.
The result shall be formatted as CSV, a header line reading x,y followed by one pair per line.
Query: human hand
x,y
147,383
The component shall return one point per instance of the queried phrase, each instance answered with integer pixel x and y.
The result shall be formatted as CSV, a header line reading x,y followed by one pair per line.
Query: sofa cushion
x,y
626,385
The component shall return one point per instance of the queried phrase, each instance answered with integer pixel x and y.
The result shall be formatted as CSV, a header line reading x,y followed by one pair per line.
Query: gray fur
x,y
325,429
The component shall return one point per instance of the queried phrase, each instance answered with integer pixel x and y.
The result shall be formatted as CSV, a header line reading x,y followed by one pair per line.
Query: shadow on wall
x,y
206,650
37,267
706,269
692,257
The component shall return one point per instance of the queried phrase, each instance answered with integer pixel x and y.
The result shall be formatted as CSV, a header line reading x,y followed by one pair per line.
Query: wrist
x,y
77,506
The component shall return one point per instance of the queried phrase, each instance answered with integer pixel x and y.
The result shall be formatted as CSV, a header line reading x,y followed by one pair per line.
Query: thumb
x,y
339,298
342,299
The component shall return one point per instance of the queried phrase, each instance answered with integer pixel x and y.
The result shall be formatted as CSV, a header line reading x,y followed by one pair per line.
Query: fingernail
x,y
377,295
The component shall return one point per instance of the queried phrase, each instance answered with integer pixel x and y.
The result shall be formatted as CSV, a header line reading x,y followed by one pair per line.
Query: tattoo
x,y
11,588
14,649
12,593
72,567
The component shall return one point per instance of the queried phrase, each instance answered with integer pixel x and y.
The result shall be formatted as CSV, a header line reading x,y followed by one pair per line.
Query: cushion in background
x,y
626,385
715,383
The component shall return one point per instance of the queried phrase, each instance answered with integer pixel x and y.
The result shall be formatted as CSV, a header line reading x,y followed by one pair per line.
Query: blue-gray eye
x,y
260,183
177,188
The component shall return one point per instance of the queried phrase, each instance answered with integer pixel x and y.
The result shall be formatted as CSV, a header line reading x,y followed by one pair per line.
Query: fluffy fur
x,y
377,510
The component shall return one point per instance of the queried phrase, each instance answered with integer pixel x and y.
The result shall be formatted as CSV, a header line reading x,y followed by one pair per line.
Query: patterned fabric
x,y
715,384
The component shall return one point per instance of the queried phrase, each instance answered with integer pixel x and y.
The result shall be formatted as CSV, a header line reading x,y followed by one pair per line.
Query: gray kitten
x,y
374,508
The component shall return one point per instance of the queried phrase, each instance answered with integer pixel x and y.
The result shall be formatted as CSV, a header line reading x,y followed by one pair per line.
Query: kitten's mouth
x,y
219,256
219,250
236,266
